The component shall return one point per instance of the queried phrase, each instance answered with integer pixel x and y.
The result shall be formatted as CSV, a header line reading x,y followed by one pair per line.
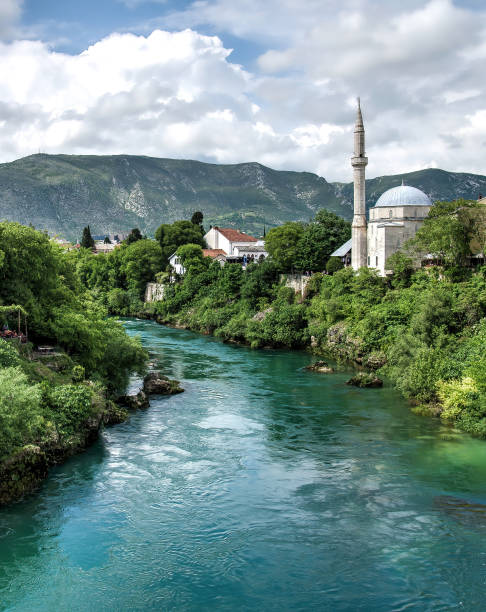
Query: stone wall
x,y
154,292
297,282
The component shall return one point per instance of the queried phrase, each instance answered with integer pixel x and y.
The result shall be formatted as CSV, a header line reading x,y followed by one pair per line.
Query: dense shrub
x,y
69,407
9,357
21,418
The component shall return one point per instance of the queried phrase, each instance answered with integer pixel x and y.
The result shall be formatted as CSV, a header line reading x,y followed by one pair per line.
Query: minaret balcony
x,y
357,161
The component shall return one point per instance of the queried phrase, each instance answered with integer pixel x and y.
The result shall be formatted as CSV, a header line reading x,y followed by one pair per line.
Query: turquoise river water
x,y
262,487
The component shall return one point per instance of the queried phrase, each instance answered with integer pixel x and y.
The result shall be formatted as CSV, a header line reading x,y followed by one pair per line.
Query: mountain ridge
x,y
113,193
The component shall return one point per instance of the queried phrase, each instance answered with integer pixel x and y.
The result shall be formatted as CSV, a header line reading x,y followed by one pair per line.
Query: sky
x,y
230,81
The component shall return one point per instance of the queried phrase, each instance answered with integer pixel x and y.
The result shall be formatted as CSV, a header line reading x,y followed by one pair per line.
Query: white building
x,y
101,246
215,254
395,218
175,262
255,252
228,239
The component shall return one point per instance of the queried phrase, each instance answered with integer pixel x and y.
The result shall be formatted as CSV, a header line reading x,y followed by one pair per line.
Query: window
x,y
368,260
390,213
377,261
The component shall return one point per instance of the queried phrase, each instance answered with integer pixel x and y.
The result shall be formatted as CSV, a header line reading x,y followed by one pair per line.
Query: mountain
x,y
63,193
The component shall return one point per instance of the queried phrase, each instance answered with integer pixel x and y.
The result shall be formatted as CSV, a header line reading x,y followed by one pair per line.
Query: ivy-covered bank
x,y
53,405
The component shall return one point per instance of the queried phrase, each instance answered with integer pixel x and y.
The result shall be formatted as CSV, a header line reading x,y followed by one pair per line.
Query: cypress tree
x,y
87,241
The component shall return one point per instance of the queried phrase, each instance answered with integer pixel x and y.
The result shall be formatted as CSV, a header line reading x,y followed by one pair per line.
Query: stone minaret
x,y
359,162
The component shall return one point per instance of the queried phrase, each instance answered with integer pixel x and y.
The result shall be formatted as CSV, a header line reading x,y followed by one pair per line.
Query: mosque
x,y
395,218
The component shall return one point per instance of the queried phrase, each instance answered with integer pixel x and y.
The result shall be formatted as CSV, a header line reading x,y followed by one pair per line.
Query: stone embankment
x,y
154,292
297,282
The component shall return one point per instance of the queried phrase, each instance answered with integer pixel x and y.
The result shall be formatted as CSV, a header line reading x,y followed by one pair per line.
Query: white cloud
x,y
419,69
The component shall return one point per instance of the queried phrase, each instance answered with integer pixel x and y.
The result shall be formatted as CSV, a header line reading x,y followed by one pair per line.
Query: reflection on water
x,y
263,487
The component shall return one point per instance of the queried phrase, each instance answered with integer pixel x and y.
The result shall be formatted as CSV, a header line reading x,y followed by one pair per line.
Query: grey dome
x,y
403,196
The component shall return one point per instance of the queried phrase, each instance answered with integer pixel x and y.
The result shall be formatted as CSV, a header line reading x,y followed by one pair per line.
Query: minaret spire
x,y
359,162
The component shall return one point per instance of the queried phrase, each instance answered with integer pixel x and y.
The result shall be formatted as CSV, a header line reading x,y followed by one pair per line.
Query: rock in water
x,y
134,402
363,379
320,366
157,384
21,473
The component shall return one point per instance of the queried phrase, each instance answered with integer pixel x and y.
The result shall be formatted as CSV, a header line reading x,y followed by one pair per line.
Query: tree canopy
x,y
172,236
133,236
452,231
307,246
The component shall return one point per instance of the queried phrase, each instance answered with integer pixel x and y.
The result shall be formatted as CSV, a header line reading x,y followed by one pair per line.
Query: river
x,y
262,487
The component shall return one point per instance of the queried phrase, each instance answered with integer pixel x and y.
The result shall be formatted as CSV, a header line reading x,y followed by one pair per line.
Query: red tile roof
x,y
213,252
234,235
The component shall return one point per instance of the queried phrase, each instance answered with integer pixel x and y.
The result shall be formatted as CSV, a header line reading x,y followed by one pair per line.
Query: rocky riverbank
x,y
23,471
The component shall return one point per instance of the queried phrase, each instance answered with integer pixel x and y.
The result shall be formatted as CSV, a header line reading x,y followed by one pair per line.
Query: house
x,y
118,237
228,239
215,254
255,252
176,264
101,246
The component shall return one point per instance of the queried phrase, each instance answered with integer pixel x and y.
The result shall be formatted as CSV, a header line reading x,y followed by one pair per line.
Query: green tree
x,y
191,255
134,236
333,265
107,240
402,267
449,231
87,241
140,262
282,244
320,238
197,218
172,236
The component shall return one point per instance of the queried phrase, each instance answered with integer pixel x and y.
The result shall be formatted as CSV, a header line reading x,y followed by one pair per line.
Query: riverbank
x,y
86,411
23,471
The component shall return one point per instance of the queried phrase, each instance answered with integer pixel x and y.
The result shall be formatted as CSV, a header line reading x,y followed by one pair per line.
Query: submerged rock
x,y
464,511
157,384
320,366
363,379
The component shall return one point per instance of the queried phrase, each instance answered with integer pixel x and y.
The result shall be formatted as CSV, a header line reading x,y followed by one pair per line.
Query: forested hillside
x,y
63,193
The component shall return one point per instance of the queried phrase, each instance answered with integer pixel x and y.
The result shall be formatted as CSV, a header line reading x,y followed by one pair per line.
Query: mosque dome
x,y
404,195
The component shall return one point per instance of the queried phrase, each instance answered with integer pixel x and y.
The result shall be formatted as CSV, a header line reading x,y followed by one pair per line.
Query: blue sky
x,y
229,81
74,25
